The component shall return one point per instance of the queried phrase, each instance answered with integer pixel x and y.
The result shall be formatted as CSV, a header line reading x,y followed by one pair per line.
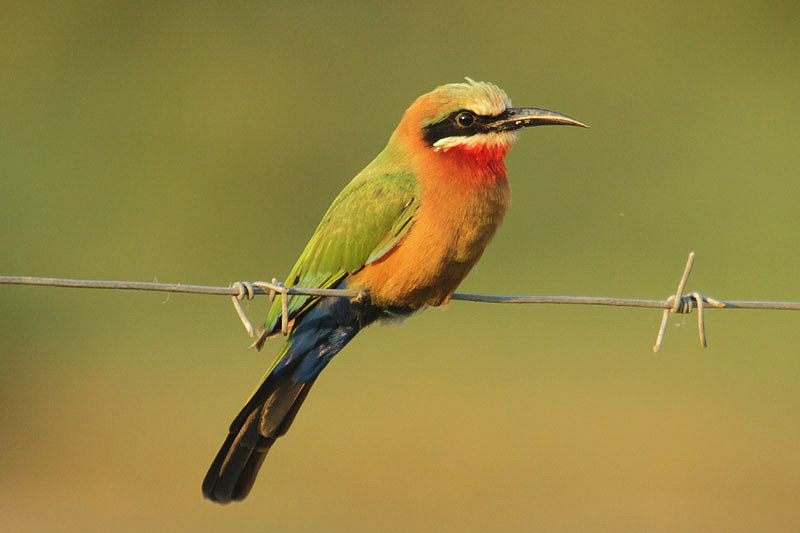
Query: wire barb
x,y
281,288
245,289
684,304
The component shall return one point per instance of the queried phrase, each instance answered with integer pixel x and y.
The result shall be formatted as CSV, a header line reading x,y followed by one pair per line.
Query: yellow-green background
x,y
182,142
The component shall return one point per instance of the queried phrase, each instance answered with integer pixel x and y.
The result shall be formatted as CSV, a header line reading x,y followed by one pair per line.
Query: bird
x,y
404,233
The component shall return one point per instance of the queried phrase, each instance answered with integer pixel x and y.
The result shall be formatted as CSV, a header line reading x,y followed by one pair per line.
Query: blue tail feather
x,y
320,334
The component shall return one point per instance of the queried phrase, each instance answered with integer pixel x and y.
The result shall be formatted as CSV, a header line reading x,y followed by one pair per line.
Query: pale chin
x,y
500,139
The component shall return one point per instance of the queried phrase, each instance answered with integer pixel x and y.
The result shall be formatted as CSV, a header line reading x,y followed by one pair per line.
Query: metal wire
x,y
677,303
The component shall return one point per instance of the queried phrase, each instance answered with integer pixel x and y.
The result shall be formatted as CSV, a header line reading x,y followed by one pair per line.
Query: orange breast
x,y
458,215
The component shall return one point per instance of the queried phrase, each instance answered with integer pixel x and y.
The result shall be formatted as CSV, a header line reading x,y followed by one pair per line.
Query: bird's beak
x,y
515,118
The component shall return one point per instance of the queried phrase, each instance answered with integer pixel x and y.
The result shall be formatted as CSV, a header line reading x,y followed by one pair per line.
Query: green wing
x,y
364,222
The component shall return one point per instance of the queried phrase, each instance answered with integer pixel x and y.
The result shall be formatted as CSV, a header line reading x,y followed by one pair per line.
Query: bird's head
x,y
472,122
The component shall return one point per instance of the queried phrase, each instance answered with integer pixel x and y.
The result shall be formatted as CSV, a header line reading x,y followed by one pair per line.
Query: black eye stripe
x,y
449,126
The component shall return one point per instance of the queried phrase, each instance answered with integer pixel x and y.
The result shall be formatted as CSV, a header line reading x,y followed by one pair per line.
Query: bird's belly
x,y
437,253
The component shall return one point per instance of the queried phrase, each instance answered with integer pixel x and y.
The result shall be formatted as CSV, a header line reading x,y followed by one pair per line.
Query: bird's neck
x,y
482,163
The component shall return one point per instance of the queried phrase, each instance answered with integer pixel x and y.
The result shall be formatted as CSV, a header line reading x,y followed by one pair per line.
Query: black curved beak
x,y
515,118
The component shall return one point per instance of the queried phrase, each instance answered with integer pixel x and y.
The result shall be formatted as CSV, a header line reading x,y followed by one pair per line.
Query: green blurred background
x,y
183,142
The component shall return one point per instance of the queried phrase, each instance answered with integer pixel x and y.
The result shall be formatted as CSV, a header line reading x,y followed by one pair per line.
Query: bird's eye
x,y
465,119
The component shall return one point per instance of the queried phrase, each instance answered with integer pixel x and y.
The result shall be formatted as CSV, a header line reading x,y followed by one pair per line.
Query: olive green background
x,y
182,142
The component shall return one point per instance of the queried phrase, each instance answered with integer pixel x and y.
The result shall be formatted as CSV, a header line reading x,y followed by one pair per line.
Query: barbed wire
x,y
677,303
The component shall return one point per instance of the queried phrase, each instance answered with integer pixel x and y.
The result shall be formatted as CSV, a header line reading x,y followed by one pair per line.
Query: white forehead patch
x,y
480,97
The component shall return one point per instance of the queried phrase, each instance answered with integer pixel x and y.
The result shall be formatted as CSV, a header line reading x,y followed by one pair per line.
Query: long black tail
x,y
324,330
267,416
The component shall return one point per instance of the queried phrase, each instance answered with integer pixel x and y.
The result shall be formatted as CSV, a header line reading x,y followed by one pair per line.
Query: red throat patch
x,y
487,160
